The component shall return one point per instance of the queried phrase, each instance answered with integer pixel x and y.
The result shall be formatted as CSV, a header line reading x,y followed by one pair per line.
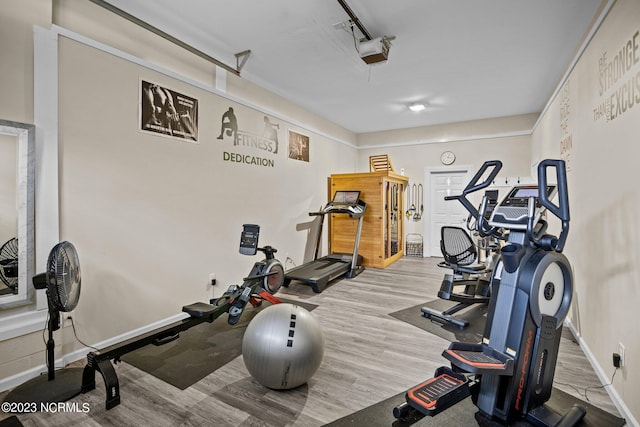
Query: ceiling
x,y
464,59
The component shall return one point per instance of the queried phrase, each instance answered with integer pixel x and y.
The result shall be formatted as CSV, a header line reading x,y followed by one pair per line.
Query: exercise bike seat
x,y
199,309
471,269
459,251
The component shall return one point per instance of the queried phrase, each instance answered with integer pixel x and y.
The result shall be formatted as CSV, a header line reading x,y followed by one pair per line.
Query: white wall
x,y
507,139
17,87
602,152
16,44
153,216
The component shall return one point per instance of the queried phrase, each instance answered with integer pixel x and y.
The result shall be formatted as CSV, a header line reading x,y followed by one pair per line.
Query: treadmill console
x,y
346,202
249,239
513,211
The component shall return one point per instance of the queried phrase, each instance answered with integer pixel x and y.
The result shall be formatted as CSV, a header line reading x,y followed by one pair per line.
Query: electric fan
x,y
62,283
9,264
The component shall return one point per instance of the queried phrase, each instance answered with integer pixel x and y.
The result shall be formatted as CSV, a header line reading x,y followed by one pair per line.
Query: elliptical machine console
x,y
510,373
513,211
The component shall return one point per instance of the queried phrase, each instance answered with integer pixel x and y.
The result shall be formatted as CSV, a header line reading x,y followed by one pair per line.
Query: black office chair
x,y
459,251
460,255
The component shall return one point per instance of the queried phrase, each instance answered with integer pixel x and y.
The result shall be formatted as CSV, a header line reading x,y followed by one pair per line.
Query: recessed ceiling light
x,y
416,107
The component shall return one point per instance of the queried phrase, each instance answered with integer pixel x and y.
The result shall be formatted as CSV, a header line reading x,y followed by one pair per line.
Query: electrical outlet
x,y
212,279
616,360
621,350
65,319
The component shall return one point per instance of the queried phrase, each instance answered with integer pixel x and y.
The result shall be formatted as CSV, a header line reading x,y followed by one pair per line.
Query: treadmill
x,y
321,271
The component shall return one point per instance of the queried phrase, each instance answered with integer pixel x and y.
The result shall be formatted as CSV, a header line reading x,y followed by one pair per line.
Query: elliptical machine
x,y
510,373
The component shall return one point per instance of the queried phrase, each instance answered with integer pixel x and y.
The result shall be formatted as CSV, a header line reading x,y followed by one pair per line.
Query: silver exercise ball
x,y
283,346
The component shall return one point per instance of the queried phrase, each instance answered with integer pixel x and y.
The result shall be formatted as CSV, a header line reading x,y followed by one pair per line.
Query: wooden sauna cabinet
x,y
382,236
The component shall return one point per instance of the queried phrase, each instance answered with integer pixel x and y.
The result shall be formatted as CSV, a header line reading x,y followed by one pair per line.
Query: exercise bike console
x,y
249,239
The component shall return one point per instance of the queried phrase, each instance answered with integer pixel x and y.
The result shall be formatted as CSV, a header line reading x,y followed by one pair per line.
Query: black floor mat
x,y
12,421
466,414
476,315
199,351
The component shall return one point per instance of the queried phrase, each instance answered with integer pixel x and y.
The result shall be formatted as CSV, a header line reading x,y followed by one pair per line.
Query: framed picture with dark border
x,y
298,146
164,111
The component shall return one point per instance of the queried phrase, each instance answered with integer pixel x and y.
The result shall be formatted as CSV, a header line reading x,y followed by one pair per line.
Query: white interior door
x,y
442,212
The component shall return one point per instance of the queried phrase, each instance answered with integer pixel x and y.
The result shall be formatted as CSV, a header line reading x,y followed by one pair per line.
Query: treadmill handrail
x,y
350,266
330,209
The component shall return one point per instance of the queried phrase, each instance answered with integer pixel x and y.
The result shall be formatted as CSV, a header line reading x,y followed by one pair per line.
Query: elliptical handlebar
x,y
561,210
481,224
474,185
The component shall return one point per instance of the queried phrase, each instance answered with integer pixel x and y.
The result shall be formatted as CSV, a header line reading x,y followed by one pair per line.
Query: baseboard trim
x,y
13,381
602,376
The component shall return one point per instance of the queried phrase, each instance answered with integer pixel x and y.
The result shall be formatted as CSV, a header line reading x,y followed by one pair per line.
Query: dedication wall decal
x,y
264,142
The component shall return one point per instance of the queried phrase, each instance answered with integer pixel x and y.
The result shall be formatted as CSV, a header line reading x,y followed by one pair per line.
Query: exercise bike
x,y
509,375
469,282
263,281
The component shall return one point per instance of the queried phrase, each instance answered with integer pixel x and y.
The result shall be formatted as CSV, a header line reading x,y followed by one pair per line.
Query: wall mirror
x,y
17,166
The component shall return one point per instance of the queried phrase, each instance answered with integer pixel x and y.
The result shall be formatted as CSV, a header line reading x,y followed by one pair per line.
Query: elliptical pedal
x,y
479,359
445,389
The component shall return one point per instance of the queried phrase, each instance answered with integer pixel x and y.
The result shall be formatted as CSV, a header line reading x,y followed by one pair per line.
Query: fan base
x,y
39,390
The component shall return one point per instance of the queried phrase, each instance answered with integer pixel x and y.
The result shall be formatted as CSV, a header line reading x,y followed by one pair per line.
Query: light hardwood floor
x,y
369,356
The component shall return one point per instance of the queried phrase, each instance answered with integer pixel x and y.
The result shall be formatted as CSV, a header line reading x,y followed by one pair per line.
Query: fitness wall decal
x,y
249,160
566,136
618,84
267,141
166,112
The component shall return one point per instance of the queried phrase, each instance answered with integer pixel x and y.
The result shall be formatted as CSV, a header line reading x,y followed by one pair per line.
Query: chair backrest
x,y
457,247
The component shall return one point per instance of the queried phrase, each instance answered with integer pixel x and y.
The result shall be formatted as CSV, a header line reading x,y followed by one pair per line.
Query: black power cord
x,y
73,325
75,334
586,389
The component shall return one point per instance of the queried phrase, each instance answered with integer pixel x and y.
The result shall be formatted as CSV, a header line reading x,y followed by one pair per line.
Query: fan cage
x,y
9,263
63,274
